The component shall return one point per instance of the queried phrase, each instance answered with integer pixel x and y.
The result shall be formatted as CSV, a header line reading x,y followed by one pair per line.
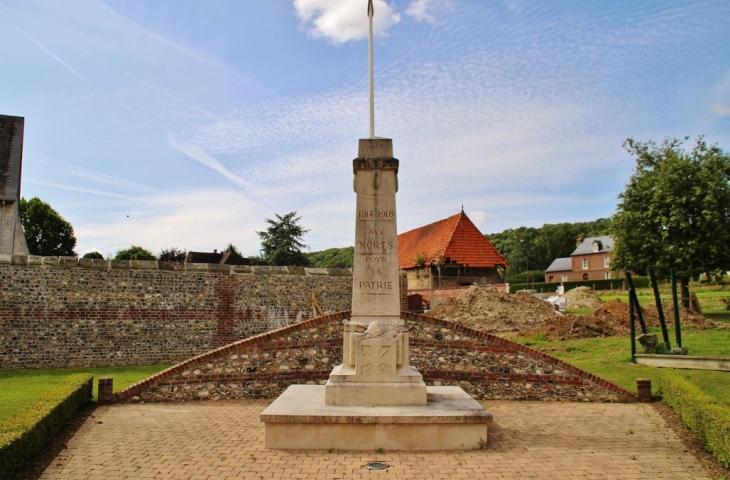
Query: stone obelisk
x,y
375,399
375,368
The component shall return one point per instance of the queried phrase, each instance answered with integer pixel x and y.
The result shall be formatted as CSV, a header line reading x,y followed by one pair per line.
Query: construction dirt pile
x,y
612,319
493,311
582,297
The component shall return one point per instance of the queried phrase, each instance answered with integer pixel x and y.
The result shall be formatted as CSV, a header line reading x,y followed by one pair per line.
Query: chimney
x,y
215,250
579,241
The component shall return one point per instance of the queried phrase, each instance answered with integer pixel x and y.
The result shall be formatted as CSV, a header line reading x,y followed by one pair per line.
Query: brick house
x,y
591,260
450,253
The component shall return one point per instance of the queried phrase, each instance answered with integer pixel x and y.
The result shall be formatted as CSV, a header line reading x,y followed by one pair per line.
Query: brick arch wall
x,y
485,366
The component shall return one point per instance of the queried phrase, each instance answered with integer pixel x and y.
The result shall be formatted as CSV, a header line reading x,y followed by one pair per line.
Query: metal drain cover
x,y
377,466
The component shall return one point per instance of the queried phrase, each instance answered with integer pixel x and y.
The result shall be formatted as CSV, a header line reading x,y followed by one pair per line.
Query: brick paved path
x,y
225,440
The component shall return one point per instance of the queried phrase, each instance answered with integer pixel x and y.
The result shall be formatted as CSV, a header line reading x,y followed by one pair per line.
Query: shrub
x,y
710,421
26,433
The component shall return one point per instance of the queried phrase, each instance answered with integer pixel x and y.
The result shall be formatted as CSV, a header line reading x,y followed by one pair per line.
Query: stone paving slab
x,y
212,440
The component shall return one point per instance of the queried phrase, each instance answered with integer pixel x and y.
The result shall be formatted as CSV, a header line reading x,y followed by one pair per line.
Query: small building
x,y
450,253
223,258
591,260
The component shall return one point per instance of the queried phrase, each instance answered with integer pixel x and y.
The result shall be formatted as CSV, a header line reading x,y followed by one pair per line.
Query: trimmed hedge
x,y
602,284
26,433
698,412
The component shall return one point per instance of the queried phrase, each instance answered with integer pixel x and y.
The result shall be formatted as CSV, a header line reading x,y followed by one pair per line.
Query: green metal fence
x,y
703,328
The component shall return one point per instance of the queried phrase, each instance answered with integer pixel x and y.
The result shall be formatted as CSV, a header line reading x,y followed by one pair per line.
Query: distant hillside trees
x,y
333,258
540,246
46,231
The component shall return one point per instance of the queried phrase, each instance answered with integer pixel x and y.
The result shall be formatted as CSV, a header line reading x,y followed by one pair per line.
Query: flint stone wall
x,y
66,312
485,366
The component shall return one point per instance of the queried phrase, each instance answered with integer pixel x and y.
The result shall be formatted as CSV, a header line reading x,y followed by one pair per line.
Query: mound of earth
x,y
493,311
582,297
612,319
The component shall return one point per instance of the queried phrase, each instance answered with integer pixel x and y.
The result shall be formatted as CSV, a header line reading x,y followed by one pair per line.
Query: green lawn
x,y
20,387
610,358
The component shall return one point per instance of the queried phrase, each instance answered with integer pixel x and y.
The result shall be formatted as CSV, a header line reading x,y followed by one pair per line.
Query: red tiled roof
x,y
454,238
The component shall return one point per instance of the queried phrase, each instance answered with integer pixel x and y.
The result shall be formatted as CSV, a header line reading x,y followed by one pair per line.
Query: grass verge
x,y
25,433
19,388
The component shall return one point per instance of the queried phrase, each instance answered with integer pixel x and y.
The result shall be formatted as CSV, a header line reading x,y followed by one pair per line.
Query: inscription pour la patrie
x,y
379,244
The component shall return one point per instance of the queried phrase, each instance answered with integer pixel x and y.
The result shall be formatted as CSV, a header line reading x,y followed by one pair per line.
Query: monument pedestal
x,y
300,420
375,399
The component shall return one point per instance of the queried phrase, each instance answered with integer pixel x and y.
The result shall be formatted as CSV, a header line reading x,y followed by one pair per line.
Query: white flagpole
x,y
370,51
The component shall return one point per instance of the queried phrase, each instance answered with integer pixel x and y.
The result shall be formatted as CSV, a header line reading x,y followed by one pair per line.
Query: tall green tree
x,y
675,211
134,253
46,231
281,242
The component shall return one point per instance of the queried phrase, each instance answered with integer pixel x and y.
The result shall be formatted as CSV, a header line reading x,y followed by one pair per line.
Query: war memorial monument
x,y
375,398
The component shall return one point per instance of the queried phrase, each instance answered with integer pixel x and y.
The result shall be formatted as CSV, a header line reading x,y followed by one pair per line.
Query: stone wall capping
x,y
196,267
100,264
295,270
340,272
316,271
19,260
218,268
143,264
120,264
86,263
111,264
270,270
68,261
51,261
172,266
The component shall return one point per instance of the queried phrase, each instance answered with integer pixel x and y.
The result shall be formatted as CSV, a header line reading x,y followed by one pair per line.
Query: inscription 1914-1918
x,y
375,214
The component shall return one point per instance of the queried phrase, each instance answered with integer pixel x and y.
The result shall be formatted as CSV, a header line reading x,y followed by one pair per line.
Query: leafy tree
x,y
96,255
134,253
46,231
281,242
333,258
172,254
675,211
235,253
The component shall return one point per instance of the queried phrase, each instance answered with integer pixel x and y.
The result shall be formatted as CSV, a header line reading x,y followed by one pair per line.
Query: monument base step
x,y
300,420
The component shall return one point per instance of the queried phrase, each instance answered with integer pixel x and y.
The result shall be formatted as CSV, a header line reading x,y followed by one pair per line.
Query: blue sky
x,y
188,122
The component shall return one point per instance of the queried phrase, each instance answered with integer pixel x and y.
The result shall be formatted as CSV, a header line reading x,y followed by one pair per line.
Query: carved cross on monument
x,y
375,369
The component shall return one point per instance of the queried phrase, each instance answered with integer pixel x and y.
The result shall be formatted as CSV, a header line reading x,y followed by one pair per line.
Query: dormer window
x,y
597,246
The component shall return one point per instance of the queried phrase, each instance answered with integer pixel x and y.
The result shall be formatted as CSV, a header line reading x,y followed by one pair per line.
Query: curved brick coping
x,y
108,264
498,345
531,352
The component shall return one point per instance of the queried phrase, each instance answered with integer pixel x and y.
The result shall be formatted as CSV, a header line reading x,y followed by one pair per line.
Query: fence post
x,y
675,302
635,299
632,330
660,308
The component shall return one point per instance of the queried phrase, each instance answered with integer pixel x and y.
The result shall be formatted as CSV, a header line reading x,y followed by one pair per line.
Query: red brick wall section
x,y
485,366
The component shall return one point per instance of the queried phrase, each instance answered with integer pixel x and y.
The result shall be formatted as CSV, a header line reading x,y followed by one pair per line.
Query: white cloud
x,y
478,217
198,154
427,10
721,110
343,20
